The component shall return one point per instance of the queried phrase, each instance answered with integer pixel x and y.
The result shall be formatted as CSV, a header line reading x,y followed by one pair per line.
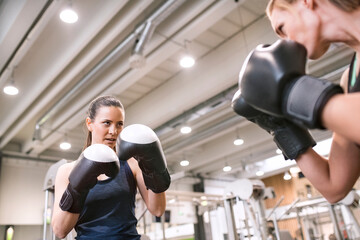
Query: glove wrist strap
x,y
72,200
306,106
157,182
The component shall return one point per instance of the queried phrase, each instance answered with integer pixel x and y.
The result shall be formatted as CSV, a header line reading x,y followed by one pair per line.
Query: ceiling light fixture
x,y
294,170
287,176
68,15
185,129
65,145
184,163
187,61
227,168
238,142
11,89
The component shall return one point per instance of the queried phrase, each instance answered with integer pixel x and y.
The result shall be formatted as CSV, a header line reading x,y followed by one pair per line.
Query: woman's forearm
x,y
335,177
157,203
63,222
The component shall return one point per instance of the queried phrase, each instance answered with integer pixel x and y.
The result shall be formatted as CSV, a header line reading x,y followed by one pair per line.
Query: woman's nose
x,y
113,130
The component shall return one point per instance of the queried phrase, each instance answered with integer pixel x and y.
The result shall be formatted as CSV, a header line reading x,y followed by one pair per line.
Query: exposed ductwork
x,y
26,41
168,30
199,110
145,31
137,59
161,94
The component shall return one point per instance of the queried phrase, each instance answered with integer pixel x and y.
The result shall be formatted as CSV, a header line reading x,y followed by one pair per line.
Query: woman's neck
x,y
340,26
102,177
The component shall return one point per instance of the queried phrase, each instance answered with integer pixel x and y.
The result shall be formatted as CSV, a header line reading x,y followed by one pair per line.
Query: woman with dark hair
x,y
102,208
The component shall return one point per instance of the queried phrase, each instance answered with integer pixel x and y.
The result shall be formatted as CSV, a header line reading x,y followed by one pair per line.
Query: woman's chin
x,y
111,145
318,52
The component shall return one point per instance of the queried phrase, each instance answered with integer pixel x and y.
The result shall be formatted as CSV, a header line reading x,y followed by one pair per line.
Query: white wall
x,y
22,197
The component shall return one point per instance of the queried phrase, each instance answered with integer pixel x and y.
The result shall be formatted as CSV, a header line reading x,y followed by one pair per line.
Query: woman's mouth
x,y
110,140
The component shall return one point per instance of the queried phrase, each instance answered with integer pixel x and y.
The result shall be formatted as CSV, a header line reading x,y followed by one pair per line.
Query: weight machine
x,y
49,184
252,194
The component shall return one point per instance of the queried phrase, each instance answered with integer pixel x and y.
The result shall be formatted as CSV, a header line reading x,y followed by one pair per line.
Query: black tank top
x,y
109,211
353,79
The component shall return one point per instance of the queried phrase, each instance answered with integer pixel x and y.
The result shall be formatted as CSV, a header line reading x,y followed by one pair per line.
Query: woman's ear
x,y
88,124
309,3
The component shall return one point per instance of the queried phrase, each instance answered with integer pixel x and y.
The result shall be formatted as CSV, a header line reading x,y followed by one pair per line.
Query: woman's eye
x,y
280,30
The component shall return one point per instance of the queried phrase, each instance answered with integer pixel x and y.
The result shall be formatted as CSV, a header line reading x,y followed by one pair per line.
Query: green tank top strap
x,y
353,80
354,73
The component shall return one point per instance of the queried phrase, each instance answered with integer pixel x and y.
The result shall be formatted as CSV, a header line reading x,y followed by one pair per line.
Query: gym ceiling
x,y
131,49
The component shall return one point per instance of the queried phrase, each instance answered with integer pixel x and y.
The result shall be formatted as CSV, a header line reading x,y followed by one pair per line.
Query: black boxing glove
x,y
273,80
290,138
95,160
140,142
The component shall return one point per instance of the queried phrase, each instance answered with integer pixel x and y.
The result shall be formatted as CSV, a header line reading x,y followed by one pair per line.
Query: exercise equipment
x,y
272,217
49,187
350,223
251,193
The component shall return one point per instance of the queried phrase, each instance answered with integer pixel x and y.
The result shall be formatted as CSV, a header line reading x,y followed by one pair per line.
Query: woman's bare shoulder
x,y
65,169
